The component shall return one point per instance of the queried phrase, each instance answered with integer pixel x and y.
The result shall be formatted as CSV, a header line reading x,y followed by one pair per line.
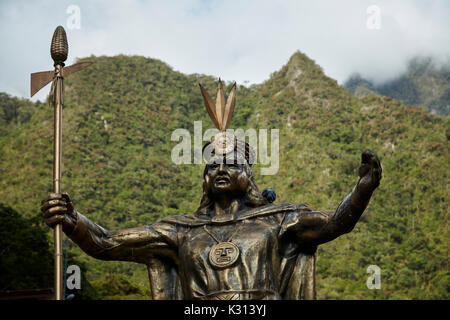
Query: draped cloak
x,y
297,272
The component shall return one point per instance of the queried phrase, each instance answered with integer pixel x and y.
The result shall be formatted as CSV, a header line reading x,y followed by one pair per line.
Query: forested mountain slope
x,y
425,83
118,118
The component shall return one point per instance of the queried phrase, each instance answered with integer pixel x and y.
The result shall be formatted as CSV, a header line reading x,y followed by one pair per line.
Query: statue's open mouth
x,y
222,180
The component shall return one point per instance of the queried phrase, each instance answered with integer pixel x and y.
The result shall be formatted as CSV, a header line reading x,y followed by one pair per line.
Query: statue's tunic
x,y
273,262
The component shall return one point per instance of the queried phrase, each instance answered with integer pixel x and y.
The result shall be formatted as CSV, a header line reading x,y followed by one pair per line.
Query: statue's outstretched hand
x,y
58,208
369,172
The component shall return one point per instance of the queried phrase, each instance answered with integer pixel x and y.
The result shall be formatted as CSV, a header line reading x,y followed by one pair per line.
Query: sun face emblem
x,y
223,254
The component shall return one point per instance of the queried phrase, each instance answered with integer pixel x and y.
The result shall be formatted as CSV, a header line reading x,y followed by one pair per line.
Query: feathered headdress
x,y
220,113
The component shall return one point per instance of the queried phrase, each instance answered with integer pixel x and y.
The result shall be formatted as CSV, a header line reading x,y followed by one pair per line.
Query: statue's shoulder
x,y
271,209
198,219
185,220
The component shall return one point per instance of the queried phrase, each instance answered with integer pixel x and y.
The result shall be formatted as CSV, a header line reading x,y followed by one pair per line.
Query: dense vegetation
x,y
426,83
26,259
118,119
27,256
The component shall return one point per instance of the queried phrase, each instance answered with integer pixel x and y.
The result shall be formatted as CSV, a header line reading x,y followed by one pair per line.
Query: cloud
x,y
236,40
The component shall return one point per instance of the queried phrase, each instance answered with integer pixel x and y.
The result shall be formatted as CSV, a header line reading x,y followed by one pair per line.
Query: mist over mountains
x,y
118,119
425,83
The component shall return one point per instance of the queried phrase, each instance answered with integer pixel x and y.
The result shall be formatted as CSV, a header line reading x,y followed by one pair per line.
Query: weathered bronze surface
x,y
237,245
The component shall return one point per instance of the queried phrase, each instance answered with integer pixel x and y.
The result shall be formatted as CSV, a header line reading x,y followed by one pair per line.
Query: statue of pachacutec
x,y
238,244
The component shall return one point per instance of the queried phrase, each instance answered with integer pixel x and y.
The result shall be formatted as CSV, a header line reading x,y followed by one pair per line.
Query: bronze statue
x,y
238,244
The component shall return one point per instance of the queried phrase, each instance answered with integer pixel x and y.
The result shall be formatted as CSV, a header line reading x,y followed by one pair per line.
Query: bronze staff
x,y
59,49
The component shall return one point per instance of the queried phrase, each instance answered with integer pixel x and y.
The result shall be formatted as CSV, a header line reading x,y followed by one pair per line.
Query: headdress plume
x,y
221,114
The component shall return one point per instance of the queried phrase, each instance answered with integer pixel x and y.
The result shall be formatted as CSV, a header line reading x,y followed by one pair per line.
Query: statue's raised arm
x,y
316,227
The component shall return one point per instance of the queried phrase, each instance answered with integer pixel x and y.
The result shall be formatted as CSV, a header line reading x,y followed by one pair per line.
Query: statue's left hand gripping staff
x,y
59,50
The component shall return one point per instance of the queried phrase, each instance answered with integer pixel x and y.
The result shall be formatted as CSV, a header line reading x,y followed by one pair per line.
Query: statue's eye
x,y
234,166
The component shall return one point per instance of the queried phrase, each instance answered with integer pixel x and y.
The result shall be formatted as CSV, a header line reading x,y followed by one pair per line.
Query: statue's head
x,y
227,176
230,174
228,171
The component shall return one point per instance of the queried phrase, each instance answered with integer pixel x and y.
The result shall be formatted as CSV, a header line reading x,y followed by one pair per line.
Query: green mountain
x,y
425,84
118,119
360,87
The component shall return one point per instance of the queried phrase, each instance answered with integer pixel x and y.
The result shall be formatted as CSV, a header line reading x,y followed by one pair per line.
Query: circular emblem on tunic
x,y
223,254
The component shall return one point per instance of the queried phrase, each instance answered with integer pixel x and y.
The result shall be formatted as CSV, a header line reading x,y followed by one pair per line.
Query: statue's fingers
x,y
377,173
55,211
53,203
367,155
54,220
375,162
50,213
66,196
363,169
52,196
68,200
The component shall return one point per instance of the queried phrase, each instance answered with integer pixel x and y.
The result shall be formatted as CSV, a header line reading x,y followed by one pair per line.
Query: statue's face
x,y
227,177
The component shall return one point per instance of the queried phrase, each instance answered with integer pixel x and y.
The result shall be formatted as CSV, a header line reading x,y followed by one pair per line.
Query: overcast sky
x,y
236,40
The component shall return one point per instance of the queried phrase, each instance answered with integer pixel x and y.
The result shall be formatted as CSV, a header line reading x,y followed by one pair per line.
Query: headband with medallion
x,y
224,143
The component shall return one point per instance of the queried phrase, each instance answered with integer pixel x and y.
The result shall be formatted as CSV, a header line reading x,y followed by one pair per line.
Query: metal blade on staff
x,y
59,49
